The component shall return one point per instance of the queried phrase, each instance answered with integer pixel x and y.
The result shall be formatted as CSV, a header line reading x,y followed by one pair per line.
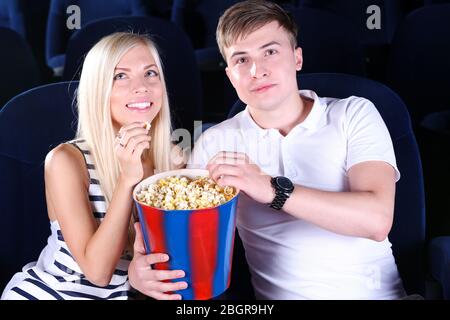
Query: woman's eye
x,y
119,76
151,73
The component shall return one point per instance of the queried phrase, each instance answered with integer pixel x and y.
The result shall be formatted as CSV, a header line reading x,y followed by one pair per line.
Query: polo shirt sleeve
x,y
368,138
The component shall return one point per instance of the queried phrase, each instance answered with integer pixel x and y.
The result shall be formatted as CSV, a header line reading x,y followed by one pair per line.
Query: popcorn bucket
x,y
199,242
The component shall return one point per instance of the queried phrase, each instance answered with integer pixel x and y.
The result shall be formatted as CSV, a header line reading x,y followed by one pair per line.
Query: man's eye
x,y
119,76
271,52
151,73
241,60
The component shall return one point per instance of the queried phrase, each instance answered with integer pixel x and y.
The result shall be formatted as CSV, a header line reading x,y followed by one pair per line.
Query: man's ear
x,y
298,59
228,72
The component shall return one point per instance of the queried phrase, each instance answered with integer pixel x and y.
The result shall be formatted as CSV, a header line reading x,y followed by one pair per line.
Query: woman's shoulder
x,y
63,159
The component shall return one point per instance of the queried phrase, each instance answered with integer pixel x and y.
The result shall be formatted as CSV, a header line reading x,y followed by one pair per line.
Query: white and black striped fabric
x,y
56,275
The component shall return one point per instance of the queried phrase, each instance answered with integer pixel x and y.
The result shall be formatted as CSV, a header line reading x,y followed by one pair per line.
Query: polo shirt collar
x,y
315,118
313,121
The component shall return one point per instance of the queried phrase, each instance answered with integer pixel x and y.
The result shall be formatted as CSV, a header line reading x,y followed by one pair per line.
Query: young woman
x,y
89,180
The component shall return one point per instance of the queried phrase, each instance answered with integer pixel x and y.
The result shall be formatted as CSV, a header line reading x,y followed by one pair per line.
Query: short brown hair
x,y
244,17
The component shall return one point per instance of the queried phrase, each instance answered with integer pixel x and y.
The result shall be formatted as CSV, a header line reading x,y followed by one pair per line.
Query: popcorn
x,y
147,125
183,193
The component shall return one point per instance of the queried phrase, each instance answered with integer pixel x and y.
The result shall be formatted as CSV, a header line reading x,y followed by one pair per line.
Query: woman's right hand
x,y
149,281
130,143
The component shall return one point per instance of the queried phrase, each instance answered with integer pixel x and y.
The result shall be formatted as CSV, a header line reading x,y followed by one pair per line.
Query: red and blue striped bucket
x,y
199,242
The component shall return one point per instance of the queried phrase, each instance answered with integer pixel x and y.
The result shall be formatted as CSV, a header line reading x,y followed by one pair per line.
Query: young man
x,y
317,175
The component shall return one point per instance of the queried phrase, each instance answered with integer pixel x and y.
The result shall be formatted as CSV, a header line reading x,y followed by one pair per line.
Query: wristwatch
x,y
283,188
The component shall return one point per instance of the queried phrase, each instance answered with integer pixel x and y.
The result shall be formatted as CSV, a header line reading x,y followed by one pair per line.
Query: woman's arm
x,y
96,249
151,282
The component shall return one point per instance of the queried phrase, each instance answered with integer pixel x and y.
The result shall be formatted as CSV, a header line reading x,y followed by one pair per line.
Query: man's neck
x,y
285,117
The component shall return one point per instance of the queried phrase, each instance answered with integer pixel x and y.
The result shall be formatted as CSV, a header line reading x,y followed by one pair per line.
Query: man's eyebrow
x,y
269,44
128,69
237,53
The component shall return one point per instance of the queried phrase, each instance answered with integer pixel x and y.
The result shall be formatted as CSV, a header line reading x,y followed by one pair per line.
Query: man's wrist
x,y
283,188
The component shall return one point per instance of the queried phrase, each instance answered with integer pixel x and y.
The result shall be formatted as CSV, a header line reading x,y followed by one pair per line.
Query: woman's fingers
x,y
127,132
163,296
139,149
169,286
161,275
156,258
134,142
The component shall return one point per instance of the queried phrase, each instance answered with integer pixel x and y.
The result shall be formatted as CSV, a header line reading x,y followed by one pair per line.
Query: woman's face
x,y
137,92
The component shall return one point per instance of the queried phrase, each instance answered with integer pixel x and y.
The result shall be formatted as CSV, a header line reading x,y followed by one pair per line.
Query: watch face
x,y
284,183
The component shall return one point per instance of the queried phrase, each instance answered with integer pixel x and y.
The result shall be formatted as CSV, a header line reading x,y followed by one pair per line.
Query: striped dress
x,y
56,275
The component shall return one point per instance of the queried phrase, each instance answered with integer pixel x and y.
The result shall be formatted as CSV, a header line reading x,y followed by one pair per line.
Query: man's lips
x,y
262,88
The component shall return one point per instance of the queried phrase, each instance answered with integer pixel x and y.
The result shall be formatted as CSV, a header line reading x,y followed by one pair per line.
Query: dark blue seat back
x,y
58,32
360,12
329,43
435,146
31,124
180,69
408,231
199,19
419,63
432,2
11,16
19,68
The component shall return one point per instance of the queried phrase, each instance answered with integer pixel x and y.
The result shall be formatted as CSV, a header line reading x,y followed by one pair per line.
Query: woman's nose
x,y
140,85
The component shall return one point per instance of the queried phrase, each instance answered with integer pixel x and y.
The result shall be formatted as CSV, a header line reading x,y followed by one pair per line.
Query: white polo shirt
x,y
288,257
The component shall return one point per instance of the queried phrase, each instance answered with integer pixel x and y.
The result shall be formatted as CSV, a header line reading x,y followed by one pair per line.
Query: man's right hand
x,y
149,281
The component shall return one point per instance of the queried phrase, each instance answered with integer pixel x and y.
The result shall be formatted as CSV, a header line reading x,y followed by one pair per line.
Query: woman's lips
x,y
139,106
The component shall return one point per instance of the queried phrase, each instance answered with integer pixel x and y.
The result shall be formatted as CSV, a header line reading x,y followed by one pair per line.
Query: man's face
x,y
262,67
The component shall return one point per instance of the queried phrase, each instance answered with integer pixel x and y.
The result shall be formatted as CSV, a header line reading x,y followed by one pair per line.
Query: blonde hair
x,y
244,17
94,113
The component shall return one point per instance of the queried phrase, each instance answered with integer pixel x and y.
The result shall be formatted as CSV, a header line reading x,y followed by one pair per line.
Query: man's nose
x,y
258,69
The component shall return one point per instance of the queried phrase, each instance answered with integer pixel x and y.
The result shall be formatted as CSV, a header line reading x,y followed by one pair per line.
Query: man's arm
x,y
364,211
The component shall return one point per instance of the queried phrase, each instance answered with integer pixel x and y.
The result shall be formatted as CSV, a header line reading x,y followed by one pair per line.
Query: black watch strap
x,y
283,188
279,200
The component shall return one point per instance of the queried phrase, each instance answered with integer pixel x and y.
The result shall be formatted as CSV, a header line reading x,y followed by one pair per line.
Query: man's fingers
x,y
218,171
230,181
226,155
